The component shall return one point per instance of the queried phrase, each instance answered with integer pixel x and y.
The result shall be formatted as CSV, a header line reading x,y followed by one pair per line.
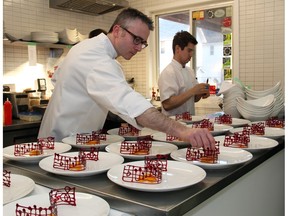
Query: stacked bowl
x,y
276,90
230,92
45,37
259,109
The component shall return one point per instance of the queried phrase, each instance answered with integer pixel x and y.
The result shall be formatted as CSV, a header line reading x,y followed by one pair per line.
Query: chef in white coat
x,y
91,82
179,88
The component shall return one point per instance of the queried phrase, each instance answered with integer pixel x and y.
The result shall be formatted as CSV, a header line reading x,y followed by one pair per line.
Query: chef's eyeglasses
x,y
136,39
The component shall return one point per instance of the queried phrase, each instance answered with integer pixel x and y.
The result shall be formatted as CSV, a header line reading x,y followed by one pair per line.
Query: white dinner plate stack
x,y
69,36
276,90
45,37
258,109
230,93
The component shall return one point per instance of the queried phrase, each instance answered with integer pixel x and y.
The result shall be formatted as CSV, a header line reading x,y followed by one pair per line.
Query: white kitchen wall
x,y
261,35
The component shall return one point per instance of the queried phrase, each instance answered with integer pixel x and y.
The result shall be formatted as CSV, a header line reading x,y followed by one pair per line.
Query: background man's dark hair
x,y
96,32
182,39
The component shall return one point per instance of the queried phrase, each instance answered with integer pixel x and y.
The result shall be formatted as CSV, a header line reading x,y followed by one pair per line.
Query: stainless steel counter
x,y
147,203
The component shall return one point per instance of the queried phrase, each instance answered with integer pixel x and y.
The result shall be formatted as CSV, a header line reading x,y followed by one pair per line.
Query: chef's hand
x,y
201,89
199,137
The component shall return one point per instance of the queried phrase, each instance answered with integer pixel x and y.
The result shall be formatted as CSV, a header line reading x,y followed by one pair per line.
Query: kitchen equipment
x,y
19,100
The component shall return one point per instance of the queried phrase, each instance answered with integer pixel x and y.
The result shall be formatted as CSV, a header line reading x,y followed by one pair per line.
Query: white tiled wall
x,y
261,34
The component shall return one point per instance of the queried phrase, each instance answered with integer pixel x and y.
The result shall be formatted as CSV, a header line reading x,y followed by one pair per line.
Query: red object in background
x,y
7,108
212,89
227,22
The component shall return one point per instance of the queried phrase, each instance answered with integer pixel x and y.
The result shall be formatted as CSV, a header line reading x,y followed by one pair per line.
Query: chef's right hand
x,y
199,137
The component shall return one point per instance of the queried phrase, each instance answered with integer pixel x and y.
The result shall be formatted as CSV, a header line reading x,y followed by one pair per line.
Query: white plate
x,y
160,136
142,133
270,132
256,143
236,122
219,129
256,122
105,162
178,176
227,158
194,119
157,148
20,186
109,139
8,152
86,204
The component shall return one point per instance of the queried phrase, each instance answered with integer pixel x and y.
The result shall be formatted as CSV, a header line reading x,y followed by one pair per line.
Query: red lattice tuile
x,y
31,149
160,161
275,122
145,175
90,138
224,119
93,154
184,116
172,138
47,143
63,196
203,155
6,178
237,140
35,211
139,147
128,130
73,163
256,129
205,123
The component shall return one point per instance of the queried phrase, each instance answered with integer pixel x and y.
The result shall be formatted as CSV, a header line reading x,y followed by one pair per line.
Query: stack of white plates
x,y
82,36
69,36
230,93
276,90
45,37
258,109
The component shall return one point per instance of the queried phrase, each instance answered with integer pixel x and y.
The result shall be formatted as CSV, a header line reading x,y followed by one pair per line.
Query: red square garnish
x,y
63,196
205,123
93,154
139,147
6,178
31,149
203,155
128,130
76,163
275,122
238,140
184,116
160,161
224,119
47,143
35,211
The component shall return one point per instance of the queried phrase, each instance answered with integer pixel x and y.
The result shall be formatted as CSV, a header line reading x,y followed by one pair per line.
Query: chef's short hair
x,y
129,14
182,38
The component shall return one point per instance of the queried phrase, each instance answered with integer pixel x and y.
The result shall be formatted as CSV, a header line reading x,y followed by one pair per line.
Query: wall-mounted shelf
x,y
44,45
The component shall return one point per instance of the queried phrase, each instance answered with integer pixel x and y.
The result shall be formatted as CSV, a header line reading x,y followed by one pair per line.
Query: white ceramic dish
x,y
256,143
109,139
270,132
144,132
20,187
178,176
228,157
8,152
86,204
105,162
157,148
194,119
160,136
219,129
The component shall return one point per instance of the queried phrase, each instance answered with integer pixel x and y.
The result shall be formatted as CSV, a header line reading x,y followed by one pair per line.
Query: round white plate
x,y
109,139
144,132
270,132
86,204
20,186
178,176
157,148
8,152
194,119
218,129
256,122
160,136
105,162
256,143
236,122
227,157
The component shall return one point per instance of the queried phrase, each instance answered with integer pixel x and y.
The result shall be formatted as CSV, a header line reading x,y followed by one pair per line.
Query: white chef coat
x,y
89,83
174,80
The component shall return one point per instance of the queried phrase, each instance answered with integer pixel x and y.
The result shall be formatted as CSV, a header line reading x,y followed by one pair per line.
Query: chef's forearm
x,y
155,120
